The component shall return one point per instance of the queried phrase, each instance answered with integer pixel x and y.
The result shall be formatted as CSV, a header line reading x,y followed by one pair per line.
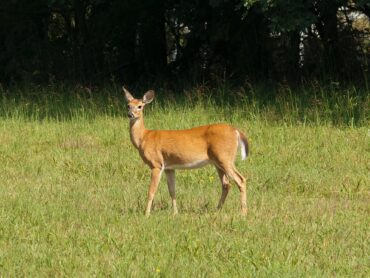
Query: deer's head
x,y
136,106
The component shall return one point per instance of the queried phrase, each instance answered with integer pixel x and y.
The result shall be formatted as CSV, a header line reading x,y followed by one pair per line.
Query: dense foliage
x,y
128,40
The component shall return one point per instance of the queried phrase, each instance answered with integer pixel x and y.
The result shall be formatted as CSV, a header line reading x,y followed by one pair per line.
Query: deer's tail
x,y
243,143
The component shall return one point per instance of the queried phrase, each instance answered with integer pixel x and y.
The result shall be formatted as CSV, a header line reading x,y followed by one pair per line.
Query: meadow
x,y
73,188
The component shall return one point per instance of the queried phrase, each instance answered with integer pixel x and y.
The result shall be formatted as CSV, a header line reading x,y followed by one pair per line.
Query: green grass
x,y
73,190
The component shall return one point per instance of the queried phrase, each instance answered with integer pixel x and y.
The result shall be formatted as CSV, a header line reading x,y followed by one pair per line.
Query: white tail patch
x,y
243,151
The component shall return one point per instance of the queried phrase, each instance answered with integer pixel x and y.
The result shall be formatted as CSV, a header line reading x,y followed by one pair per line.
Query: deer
x,y
169,150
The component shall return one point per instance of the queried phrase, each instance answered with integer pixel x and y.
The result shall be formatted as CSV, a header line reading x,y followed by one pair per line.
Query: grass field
x,y
73,191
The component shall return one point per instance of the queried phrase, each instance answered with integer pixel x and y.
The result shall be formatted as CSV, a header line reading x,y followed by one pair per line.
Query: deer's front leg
x,y
171,188
155,178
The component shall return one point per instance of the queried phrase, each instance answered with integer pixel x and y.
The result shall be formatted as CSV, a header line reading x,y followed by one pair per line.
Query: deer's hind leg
x,y
225,187
231,173
240,181
223,155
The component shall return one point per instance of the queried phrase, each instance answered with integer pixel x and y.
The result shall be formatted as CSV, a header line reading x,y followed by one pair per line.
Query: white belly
x,y
191,165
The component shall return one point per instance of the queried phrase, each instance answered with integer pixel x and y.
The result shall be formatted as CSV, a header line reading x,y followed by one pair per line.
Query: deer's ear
x,y
148,97
128,95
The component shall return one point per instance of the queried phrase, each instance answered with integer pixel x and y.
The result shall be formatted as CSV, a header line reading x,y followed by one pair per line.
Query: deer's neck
x,y
137,132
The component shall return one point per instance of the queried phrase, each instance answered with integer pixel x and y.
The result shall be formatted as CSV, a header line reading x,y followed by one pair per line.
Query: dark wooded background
x,y
92,41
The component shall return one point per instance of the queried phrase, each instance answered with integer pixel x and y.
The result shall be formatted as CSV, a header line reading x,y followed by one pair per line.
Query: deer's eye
x,y
139,106
128,106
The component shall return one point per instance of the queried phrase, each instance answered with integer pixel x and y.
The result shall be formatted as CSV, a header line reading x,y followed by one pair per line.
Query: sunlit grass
x,y
73,192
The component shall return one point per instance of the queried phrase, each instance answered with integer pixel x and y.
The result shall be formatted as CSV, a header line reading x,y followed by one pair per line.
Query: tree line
x,y
135,40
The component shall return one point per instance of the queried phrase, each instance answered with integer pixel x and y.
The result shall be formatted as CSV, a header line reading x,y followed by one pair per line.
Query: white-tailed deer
x,y
167,150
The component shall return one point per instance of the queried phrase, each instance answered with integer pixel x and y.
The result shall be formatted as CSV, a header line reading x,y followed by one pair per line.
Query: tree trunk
x,y
294,50
328,31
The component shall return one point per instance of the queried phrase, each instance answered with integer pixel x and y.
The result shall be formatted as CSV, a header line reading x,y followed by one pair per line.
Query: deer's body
x,y
185,149
167,150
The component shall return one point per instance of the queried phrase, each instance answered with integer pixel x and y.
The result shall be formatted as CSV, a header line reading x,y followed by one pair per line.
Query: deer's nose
x,y
130,115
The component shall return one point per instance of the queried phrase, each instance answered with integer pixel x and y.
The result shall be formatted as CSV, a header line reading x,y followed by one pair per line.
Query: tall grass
x,y
314,104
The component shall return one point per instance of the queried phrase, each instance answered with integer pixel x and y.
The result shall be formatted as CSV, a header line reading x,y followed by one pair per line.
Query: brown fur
x,y
168,150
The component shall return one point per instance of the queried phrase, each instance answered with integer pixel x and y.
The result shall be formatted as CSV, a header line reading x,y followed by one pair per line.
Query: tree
x,y
97,40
